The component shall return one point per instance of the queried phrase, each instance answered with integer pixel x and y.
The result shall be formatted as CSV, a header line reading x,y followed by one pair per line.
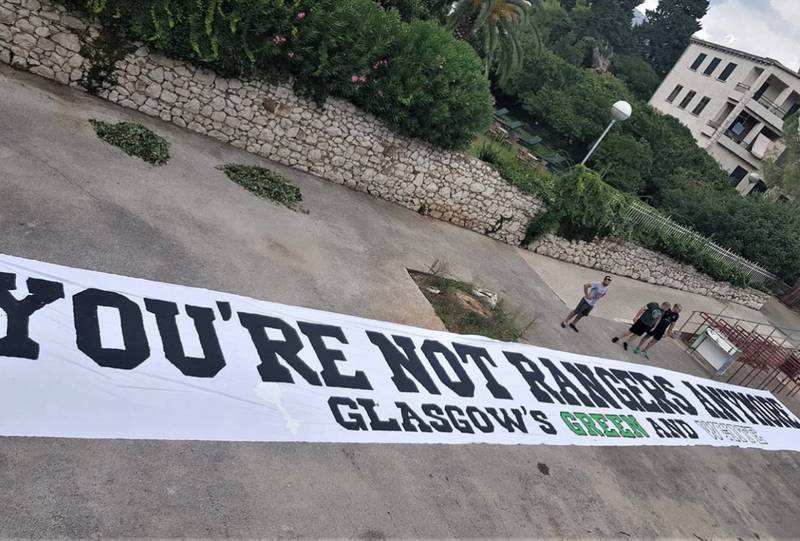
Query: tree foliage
x,y
493,26
783,173
638,75
665,34
654,156
410,10
757,228
624,161
610,21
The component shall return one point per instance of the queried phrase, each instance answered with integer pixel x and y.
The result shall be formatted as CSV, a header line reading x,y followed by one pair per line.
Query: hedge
x,y
414,76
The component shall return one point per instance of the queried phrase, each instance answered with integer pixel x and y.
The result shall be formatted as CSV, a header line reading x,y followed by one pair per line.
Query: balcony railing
x,y
773,107
715,124
742,87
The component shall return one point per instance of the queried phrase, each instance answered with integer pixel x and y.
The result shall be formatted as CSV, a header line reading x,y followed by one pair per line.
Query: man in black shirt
x,y
664,326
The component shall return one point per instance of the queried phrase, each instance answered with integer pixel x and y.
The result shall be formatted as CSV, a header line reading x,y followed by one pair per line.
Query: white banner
x,y
92,355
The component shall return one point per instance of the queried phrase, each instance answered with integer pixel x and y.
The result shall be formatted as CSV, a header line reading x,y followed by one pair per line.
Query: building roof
x,y
755,58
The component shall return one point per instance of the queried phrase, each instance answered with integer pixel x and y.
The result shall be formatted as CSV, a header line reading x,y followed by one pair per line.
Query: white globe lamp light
x,y
620,112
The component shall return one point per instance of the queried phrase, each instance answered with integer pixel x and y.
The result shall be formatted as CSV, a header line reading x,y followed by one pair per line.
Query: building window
x,y
712,66
760,91
738,174
792,110
702,105
686,100
698,61
674,93
727,71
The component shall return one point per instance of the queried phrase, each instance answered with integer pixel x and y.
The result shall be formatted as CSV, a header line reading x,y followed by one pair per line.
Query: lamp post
x,y
620,112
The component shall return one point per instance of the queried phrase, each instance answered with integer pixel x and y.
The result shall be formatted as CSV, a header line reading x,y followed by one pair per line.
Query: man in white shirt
x,y
592,292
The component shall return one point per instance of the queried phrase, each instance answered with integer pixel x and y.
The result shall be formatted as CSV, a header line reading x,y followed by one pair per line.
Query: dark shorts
x,y
583,308
657,334
639,328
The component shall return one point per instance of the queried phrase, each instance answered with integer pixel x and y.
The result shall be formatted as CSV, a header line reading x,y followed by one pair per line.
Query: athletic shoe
x,y
646,356
625,345
563,325
636,351
573,327
615,340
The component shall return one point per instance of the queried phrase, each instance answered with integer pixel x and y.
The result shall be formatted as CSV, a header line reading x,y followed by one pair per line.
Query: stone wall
x,y
337,142
631,260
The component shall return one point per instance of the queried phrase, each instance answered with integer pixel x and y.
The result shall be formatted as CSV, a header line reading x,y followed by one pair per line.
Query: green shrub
x,y
543,223
697,256
624,162
133,139
586,207
488,152
760,229
341,40
432,88
415,76
264,183
526,178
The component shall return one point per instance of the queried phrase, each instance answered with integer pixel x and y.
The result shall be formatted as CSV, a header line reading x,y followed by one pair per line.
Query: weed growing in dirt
x,y
463,312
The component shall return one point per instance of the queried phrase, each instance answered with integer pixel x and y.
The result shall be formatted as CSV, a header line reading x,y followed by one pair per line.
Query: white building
x,y
734,103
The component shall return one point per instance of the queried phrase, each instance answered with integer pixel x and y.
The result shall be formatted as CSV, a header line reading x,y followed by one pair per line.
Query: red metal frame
x,y
773,361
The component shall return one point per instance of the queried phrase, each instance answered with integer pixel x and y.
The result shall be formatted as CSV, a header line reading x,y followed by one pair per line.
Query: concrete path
x,y
68,198
626,295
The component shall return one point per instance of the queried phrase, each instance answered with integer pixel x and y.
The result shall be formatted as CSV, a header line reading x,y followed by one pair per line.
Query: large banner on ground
x,y
85,354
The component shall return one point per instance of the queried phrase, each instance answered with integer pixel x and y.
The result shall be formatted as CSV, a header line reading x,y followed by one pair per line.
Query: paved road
x,y
626,295
67,198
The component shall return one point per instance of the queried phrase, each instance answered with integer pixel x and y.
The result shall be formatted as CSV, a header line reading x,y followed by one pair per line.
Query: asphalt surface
x,y
68,198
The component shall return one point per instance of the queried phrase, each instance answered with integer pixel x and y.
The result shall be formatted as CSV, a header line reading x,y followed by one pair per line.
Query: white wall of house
x,y
733,102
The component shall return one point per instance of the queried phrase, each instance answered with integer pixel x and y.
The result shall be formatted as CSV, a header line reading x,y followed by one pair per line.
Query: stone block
x,y
43,71
68,40
153,90
7,16
26,42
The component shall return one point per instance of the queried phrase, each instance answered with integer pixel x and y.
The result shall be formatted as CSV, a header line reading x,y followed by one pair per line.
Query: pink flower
x,y
301,15
278,40
354,78
290,55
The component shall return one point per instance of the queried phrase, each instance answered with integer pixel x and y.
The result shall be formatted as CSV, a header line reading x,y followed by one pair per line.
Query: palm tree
x,y
494,24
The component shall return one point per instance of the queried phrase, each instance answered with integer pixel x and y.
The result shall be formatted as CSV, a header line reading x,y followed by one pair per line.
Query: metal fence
x,y
768,358
645,217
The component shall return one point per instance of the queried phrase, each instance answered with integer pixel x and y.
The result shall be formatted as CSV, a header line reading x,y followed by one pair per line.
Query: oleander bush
x,y
415,76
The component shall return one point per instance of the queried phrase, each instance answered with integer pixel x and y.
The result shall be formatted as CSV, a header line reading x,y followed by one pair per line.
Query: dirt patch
x,y
463,310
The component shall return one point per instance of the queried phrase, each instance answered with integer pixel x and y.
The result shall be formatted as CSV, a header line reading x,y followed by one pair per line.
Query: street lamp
x,y
620,112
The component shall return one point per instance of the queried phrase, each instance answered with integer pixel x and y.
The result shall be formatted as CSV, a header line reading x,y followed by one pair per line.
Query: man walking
x,y
645,320
592,292
664,326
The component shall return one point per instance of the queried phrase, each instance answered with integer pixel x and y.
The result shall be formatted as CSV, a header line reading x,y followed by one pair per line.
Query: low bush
x,y
528,179
697,256
264,183
431,87
586,207
133,139
415,76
